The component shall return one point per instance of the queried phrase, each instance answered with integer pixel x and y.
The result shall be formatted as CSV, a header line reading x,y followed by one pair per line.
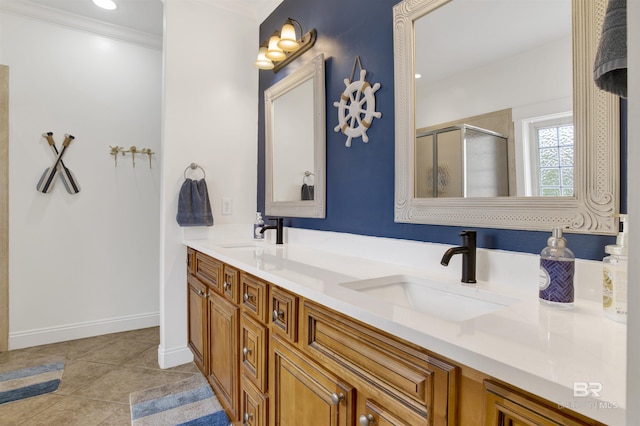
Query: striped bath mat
x,y
24,378
188,402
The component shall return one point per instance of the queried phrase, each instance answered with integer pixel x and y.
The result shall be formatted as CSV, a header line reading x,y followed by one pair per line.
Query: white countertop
x,y
537,348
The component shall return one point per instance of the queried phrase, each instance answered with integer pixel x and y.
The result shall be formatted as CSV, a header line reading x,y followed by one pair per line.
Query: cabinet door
x,y
224,359
509,407
197,321
302,393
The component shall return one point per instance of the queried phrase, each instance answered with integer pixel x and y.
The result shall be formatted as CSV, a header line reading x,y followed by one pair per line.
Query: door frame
x,y
4,208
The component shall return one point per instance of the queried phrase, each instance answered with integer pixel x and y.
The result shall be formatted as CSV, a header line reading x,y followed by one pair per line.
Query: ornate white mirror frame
x,y
596,129
314,71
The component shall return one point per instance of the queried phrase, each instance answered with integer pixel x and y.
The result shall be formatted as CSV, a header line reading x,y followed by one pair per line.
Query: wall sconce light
x,y
284,46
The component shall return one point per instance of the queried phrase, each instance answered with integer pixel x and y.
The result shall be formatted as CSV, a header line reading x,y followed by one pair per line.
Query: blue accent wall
x,y
360,179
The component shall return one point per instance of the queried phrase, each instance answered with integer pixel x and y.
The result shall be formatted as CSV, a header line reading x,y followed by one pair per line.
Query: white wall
x,y
511,83
210,118
82,264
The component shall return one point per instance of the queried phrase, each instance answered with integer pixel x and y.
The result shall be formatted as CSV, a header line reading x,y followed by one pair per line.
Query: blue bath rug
x,y
25,378
188,402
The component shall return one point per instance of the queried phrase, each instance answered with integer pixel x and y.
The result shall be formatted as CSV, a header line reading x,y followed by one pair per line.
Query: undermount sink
x,y
247,244
449,301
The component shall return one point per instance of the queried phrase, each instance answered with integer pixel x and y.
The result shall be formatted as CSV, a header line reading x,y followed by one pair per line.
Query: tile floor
x,y
99,374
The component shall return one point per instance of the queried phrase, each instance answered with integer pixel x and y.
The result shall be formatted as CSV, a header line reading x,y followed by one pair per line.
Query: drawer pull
x,y
337,398
246,351
248,297
226,286
366,420
277,315
247,417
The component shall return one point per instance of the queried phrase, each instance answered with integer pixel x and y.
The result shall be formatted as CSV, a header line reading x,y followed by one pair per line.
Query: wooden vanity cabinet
x,y
275,358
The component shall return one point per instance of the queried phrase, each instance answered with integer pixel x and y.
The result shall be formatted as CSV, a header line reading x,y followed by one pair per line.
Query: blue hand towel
x,y
194,208
610,68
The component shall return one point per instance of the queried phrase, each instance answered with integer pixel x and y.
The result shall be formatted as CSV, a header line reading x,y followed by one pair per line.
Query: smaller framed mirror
x,y
295,143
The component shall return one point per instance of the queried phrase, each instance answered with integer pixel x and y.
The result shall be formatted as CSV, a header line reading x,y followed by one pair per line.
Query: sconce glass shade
x,y
274,52
106,4
288,39
263,62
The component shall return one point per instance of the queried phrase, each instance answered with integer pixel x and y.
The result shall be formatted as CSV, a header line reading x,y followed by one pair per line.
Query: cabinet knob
x,y
247,417
248,297
337,398
277,314
366,420
226,286
246,351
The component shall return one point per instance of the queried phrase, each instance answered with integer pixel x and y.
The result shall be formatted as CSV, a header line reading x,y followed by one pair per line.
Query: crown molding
x,y
252,9
77,22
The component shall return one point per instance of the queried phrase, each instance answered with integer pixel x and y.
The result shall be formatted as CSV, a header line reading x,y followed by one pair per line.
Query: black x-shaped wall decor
x,y
45,184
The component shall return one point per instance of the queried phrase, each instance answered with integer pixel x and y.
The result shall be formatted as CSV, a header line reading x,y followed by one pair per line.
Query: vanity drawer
x,y
254,405
191,261
253,343
254,297
209,271
284,313
401,370
231,283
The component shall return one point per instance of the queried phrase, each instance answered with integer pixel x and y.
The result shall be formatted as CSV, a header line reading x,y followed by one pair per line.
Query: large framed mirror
x,y
295,143
514,95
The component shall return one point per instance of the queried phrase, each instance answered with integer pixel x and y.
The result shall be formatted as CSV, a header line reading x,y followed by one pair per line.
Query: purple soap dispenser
x,y
557,266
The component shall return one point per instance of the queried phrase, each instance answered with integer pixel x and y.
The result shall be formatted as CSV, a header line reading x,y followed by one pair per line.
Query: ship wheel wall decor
x,y
357,107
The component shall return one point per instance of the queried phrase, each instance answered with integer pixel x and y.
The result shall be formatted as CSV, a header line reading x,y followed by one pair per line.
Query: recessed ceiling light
x,y
105,4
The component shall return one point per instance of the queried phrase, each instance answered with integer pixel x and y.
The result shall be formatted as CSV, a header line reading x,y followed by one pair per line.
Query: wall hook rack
x,y
115,150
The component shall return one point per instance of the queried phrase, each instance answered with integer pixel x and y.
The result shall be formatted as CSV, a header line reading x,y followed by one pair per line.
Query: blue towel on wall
x,y
610,68
194,208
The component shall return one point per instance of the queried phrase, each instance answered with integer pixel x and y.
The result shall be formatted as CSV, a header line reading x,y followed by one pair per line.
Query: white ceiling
x,y
147,15
465,34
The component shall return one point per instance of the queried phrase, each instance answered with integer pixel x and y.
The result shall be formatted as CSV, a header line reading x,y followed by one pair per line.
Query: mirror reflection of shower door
x,y
487,168
461,161
449,169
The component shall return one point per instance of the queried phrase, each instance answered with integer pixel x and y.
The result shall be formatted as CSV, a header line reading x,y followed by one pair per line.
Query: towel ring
x,y
194,166
306,175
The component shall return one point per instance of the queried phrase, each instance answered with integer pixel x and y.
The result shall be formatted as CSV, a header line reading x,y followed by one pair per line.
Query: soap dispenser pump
x,y
614,277
557,268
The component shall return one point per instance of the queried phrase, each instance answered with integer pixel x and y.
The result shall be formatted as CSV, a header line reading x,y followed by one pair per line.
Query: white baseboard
x,y
62,333
168,358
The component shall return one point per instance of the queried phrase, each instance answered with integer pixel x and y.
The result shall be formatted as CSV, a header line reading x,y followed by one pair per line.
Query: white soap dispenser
x,y
257,227
614,277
